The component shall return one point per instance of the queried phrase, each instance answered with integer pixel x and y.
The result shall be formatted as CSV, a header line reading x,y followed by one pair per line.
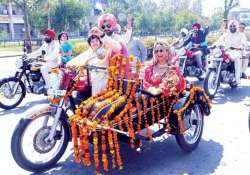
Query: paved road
x,y
224,148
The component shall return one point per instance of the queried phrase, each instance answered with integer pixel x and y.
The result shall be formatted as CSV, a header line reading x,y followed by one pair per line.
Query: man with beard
x,y
113,43
52,49
235,42
198,40
107,23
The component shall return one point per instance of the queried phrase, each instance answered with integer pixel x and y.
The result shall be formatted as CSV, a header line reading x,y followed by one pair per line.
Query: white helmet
x,y
184,30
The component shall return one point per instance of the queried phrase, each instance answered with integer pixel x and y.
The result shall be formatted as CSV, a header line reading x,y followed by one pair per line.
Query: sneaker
x,y
243,76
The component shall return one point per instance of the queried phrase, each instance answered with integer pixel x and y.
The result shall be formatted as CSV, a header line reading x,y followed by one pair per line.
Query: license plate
x,y
56,92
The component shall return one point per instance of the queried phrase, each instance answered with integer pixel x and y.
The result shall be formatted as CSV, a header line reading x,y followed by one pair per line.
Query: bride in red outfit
x,y
162,75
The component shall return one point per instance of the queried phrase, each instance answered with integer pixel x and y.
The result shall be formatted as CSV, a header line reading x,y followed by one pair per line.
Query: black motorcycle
x,y
28,78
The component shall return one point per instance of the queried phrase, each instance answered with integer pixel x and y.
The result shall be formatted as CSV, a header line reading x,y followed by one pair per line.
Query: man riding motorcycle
x,y
235,42
52,49
198,40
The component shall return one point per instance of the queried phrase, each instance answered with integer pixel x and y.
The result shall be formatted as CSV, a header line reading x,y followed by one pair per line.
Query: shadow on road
x,y
233,95
160,158
23,108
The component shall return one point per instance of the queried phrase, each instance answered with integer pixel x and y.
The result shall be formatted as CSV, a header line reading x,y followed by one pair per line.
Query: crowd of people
x,y
108,39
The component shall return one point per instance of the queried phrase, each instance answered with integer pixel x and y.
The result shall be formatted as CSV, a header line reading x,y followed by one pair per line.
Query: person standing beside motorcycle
x,y
246,53
235,42
51,57
66,48
198,40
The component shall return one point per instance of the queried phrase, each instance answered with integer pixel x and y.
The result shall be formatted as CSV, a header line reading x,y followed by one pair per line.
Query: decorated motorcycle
x,y
221,70
120,113
48,130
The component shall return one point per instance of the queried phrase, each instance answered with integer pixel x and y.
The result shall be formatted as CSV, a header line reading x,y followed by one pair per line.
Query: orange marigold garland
x,y
96,154
152,109
82,144
158,112
145,118
138,108
123,67
104,148
137,76
117,151
132,134
111,147
75,142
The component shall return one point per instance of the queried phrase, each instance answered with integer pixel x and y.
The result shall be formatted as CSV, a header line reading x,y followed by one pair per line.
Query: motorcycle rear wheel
x,y
25,155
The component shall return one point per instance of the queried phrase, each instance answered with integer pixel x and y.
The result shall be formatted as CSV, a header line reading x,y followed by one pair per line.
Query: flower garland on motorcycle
x,y
119,94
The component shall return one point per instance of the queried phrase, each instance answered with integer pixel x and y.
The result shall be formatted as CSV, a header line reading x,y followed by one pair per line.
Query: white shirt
x,y
52,53
236,40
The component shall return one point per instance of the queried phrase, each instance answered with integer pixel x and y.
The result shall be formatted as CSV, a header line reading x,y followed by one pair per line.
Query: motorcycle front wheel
x,y
30,146
210,84
12,93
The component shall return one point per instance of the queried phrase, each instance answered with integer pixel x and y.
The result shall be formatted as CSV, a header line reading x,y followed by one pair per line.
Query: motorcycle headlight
x,y
56,79
181,52
217,52
19,63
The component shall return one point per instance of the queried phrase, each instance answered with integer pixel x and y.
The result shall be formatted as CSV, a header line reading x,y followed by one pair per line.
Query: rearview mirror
x,y
43,52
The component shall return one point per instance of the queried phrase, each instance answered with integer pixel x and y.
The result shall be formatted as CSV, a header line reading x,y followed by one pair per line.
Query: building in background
x,y
11,24
241,14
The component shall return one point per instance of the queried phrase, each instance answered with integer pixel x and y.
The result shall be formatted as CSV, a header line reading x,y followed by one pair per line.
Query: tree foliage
x,y
71,14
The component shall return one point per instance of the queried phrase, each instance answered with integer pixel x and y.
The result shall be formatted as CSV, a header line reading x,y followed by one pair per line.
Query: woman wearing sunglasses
x,y
162,75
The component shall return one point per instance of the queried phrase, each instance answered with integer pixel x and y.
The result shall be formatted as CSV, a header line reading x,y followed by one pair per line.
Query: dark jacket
x,y
199,38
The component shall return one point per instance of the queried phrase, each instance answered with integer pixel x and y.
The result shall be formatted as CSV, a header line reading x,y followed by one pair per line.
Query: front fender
x,y
195,96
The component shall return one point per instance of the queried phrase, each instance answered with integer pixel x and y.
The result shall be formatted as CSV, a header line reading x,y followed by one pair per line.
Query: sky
x,y
209,5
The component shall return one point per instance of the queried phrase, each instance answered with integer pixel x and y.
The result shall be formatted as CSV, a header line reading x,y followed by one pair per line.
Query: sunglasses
x,y
107,26
160,50
232,26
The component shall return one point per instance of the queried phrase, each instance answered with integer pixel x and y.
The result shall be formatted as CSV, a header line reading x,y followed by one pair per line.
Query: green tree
x,y
68,15
185,19
216,19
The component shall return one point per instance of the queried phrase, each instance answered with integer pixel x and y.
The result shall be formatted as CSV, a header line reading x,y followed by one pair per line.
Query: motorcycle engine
x,y
38,87
227,77
35,76
193,71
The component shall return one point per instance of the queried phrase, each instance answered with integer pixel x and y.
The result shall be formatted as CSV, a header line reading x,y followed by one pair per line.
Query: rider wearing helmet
x,y
52,50
235,42
198,40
